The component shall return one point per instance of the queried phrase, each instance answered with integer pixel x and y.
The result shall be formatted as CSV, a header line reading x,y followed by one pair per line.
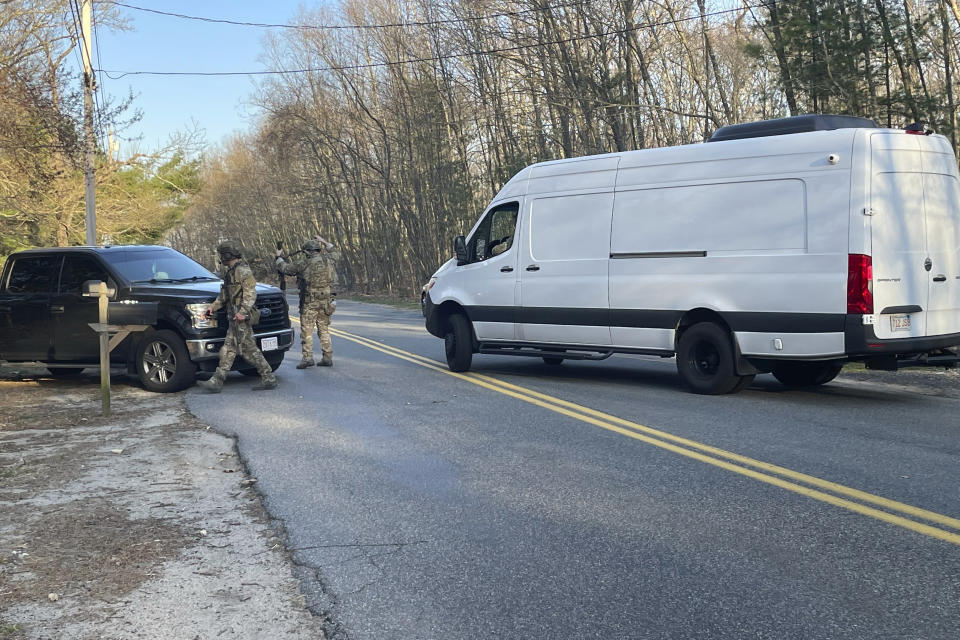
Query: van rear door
x,y
941,198
901,288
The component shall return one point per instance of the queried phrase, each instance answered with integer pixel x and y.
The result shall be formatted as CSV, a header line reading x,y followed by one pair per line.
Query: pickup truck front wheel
x,y
163,363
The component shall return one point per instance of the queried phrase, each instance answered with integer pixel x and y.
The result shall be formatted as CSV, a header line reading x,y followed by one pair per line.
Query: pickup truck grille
x,y
277,317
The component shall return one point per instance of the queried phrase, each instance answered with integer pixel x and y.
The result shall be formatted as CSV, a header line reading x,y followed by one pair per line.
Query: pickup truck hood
x,y
205,290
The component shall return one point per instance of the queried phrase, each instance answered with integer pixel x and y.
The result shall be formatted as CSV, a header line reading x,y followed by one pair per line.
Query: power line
x,y
121,74
97,100
102,106
314,27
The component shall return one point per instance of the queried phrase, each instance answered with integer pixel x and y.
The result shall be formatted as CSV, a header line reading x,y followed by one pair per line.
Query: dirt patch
x,y
929,381
140,525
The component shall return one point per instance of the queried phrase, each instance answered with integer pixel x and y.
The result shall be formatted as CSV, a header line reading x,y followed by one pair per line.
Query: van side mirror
x,y
460,249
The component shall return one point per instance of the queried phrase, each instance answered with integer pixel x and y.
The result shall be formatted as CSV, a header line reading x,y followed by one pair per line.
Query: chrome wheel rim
x,y
159,362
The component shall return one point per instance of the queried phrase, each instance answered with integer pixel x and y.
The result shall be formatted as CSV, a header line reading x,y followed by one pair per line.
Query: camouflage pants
x,y
240,342
314,315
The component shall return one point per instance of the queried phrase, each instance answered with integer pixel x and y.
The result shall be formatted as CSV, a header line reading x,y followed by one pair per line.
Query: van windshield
x,y
158,264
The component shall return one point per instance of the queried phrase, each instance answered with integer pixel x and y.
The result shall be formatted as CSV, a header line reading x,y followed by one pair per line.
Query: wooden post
x,y
104,352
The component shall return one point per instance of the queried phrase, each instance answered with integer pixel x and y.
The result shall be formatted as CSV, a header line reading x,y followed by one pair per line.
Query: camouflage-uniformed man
x,y
317,303
238,294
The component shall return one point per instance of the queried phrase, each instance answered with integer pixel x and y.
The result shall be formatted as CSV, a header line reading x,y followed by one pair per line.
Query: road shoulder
x,y
144,524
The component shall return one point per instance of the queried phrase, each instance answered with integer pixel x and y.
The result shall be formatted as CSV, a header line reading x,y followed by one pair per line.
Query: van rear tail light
x,y
859,284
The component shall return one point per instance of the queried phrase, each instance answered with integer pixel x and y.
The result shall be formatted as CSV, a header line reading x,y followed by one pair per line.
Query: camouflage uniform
x,y
317,303
239,294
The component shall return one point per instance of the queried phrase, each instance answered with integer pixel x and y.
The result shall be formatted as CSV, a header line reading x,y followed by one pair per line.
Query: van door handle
x,y
533,267
56,308
506,269
940,278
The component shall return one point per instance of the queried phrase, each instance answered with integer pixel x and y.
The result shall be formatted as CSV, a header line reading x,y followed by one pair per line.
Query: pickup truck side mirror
x,y
95,288
460,249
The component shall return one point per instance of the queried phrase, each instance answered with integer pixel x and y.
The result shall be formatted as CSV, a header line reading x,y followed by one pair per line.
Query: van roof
x,y
795,124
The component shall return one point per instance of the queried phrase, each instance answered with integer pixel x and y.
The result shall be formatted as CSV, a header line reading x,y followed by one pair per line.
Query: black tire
x,y
458,343
705,361
796,375
273,361
64,372
162,362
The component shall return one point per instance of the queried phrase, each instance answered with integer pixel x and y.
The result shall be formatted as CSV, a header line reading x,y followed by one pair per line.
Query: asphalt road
x,y
600,499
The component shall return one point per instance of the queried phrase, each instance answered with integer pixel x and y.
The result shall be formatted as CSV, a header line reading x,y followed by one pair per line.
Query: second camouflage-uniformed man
x,y
239,295
317,303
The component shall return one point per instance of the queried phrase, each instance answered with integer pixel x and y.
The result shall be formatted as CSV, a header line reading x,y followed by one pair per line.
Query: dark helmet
x,y
311,245
228,251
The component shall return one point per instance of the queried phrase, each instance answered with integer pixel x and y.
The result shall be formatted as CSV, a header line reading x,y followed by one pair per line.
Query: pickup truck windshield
x,y
157,265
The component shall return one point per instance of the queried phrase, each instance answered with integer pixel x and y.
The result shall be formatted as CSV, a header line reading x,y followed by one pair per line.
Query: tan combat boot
x,y
211,386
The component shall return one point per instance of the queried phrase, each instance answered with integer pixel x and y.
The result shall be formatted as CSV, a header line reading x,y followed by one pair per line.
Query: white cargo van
x,y
788,246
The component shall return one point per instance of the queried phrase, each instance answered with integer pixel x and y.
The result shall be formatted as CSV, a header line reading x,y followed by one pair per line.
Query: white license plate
x,y
900,323
269,344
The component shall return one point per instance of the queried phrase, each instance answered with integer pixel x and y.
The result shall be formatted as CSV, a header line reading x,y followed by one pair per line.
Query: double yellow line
x,y
868,504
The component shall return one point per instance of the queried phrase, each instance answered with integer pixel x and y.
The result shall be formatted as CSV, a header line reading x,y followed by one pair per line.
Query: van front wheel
x,y
705,361
458,343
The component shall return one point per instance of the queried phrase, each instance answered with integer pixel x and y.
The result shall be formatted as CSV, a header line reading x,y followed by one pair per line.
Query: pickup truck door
x,y
25,327
71,312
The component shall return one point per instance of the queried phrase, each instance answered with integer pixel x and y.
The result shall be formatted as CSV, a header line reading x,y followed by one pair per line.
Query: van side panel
x,y
761,240
565,247
734,216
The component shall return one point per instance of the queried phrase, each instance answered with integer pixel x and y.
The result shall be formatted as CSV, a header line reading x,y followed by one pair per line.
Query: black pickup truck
x,y
44,315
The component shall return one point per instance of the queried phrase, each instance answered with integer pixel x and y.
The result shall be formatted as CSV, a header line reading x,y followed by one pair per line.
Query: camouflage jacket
x,y
239,291
316,271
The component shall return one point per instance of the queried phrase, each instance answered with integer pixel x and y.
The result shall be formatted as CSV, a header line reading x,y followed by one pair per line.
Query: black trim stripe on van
x,y
658,254
659,318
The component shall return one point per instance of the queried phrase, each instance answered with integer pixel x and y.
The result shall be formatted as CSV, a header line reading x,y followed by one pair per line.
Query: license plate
x,y
900,323
269,344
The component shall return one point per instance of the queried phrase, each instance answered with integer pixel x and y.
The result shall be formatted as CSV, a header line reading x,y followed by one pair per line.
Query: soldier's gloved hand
x,y
239,317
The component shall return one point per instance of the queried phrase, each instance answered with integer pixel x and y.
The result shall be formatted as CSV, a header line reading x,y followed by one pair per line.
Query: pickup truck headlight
x,y
198,314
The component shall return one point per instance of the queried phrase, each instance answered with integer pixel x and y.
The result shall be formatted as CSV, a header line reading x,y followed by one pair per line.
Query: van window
x,y
571,227
495,234
79,269
33,274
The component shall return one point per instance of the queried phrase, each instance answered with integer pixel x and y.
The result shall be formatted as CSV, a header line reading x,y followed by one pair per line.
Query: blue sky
x,y
164,43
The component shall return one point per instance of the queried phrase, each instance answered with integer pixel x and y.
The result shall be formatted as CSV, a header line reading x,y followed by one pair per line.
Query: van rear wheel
x,y
705,361
458,343
806,374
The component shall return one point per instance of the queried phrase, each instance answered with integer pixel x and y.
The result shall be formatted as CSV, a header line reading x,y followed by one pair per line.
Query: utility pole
x,y
89,155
